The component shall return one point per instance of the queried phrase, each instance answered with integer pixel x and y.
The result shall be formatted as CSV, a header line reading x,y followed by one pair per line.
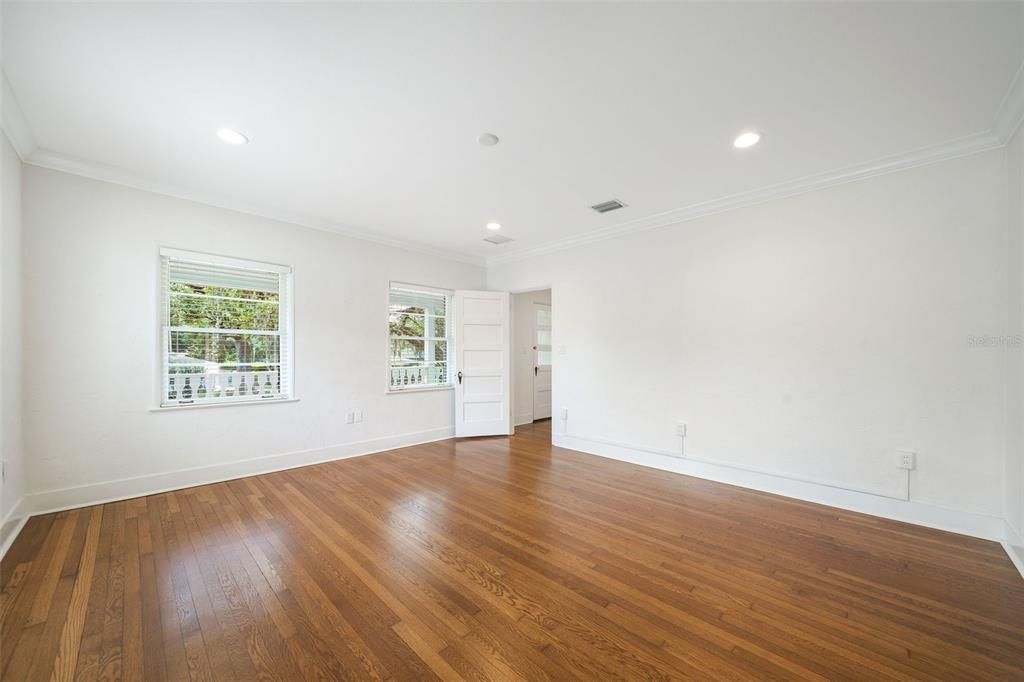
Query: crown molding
x,y
1011,109
963,146
118,176
14,123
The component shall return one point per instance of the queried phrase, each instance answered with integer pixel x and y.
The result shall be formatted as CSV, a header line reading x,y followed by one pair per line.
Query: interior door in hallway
x,y
541,361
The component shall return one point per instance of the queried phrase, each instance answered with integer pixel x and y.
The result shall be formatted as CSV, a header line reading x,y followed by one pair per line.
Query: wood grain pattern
x,y
498,559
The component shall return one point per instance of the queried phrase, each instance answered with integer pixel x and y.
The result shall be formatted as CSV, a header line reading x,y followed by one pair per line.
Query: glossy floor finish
x,y
499,559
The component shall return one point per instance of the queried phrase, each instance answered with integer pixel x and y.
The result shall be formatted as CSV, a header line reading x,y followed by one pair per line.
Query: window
x,y
418,332
226,330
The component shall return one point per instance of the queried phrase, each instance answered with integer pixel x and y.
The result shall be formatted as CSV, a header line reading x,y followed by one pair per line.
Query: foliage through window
x,y
225,330
418,330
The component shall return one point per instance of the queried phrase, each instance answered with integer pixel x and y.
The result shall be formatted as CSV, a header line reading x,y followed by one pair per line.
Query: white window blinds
x,y
418,332
226,329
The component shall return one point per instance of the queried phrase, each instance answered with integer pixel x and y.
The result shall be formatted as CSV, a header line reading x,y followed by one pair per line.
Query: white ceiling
x,y
365,116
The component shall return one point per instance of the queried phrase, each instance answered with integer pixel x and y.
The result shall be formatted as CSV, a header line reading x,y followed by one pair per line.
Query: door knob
x,y
459,375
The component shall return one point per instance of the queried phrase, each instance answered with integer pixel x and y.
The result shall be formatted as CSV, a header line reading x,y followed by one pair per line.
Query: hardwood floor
x,y
498,559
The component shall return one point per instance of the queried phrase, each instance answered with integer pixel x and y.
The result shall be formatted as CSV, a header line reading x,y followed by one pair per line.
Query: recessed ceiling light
x,y
493,227
488,139
231,136
747,139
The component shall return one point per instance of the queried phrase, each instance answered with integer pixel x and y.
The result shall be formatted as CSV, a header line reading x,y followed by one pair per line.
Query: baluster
x,y
172,392
255,384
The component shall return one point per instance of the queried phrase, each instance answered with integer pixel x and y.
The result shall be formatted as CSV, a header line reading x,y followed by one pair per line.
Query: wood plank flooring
x,y
498,559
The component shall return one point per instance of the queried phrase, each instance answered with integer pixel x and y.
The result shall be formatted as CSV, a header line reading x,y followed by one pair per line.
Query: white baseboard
x,y
12,525
126,488
965,523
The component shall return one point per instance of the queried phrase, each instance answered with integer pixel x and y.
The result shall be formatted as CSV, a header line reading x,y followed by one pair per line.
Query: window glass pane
x,y
419,375
225,338
218,385
543,357
204,366
418,347
543,337
188,350
407,351
406,324
440,351
544,317
412,325
220,308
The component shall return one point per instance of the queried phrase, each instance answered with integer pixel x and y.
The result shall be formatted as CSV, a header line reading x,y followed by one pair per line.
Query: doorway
x,y
531,356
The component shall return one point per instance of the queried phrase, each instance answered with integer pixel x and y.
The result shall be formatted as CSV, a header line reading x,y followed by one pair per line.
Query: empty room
x,y
512,341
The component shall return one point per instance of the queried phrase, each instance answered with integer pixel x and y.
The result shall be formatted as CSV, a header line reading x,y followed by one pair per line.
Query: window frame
x,y
449,337
286,324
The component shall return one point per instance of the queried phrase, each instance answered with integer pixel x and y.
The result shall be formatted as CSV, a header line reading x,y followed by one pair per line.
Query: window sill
x,y
419,389
234,403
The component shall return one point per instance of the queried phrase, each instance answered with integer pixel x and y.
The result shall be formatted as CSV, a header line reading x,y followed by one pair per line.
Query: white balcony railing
x,y
218,386
207,387
411,377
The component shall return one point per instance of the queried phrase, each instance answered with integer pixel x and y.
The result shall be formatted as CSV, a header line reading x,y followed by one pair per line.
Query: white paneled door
x,y
482,358
541,361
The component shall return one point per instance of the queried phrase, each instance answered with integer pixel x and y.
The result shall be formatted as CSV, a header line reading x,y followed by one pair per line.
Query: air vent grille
x,y
497,239
606,206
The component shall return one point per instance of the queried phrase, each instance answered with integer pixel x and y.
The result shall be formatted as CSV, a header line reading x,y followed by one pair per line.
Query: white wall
x,y
1015,350
811,336
522,352
13,487
91,315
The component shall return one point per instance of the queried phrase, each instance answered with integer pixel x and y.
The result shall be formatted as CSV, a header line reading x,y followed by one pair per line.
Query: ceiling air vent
x,y
497,239
606,206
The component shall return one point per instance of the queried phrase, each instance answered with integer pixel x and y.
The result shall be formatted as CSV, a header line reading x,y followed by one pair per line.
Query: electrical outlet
x,y
565,413
350,417
358,416
906,459
681,429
